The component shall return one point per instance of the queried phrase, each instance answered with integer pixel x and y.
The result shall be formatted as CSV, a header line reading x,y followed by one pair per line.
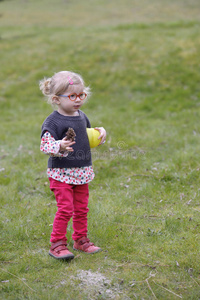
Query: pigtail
x,y
45,86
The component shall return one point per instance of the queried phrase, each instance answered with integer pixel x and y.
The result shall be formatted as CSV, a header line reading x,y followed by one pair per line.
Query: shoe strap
x,y
85,243
60,248
57,244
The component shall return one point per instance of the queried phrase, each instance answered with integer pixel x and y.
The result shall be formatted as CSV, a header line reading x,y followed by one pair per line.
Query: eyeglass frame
x,y
77,96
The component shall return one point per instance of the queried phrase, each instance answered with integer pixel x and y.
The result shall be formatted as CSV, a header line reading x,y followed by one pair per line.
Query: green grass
x,y
141,60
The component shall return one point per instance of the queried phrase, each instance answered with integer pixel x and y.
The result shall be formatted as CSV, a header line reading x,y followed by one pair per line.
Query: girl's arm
x,y
59,148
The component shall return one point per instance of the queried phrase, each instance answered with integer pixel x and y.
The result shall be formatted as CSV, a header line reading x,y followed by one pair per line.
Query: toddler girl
x,y
69,165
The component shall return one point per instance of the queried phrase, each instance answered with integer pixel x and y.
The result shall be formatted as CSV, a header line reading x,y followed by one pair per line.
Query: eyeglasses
x,y
74,96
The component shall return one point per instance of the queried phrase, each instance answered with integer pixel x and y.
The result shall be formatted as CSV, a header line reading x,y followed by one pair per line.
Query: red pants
x,y
72,201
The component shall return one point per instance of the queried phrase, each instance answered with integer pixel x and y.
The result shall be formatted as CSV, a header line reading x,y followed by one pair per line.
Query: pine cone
x,y
70,134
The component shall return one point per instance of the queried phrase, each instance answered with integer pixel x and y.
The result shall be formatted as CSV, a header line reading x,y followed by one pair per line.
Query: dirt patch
x,y
96,284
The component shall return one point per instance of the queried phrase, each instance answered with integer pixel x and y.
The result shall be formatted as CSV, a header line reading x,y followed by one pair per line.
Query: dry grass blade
x,y
19,279
168,290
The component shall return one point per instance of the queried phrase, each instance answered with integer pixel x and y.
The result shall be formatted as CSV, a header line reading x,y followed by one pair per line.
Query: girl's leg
x,y
81,242
64,197
81,196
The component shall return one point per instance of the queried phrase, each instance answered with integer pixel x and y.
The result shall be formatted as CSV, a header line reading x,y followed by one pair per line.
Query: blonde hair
x,y
59,83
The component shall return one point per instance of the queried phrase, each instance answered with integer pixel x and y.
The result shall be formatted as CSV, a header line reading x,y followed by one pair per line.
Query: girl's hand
x,y
65,145
102,134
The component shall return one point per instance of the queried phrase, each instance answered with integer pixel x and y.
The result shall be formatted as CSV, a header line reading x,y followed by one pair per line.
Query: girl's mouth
x,y
76,106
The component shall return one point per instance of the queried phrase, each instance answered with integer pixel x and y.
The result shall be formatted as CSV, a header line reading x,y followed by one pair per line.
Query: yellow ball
x,y
93,135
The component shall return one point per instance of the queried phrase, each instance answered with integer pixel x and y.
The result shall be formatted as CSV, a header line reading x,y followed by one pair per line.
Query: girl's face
x,y
66,106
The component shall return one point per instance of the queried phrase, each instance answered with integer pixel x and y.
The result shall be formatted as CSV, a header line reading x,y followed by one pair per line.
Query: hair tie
x,y
70,80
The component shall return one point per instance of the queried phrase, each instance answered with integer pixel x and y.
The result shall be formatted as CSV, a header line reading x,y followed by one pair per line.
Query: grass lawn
x,y
142,63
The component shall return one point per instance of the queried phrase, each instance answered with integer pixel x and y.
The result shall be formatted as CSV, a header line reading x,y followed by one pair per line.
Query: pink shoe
x,y
59,251
83,244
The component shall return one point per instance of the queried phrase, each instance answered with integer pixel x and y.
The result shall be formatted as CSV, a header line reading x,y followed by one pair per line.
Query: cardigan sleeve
x,y
88,122
50,146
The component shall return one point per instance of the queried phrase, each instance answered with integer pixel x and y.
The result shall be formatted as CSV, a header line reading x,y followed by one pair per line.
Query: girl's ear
x,y
56,100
